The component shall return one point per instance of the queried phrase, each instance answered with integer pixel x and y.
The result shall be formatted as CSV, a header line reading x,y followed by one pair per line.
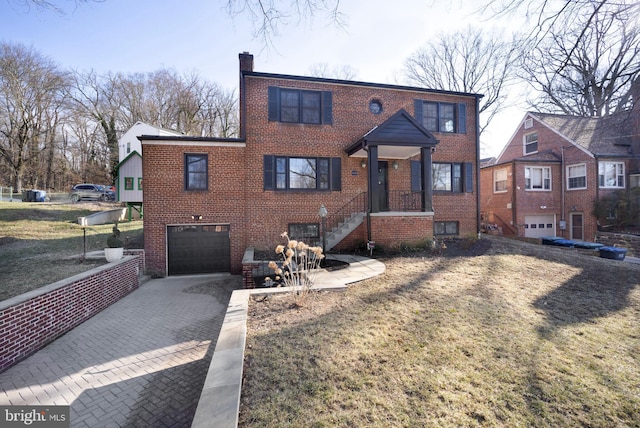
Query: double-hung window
x,y
446,177
531,143
577,176
537,178
196,172
300,106
611,174
500,180
301,173
441,117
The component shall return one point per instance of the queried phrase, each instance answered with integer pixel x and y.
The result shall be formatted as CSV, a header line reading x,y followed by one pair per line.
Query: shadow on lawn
x,y
595,293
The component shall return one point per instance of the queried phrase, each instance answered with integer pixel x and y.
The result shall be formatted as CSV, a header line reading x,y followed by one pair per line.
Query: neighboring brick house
x,y
364,151
547,177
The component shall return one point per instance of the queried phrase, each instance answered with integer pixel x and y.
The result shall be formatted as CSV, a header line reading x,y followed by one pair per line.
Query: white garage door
x,y
537,226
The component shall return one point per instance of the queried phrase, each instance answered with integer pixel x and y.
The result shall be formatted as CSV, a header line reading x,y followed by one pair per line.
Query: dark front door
x,y
576,227
383,185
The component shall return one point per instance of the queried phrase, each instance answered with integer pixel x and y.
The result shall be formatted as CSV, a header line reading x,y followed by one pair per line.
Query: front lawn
x,y
521,335
41,243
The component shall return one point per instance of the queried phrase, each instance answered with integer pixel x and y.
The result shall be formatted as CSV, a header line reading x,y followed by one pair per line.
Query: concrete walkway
x,y
143,361
220,400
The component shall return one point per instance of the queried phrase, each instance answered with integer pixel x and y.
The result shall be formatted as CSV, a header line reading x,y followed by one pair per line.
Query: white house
x,y
129,170
129,142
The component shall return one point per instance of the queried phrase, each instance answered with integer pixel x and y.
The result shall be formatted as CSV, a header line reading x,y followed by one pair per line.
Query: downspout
x,y
562,190
478,207
514,198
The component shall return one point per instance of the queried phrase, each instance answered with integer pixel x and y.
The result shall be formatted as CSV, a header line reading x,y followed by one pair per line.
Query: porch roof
x,y
399,137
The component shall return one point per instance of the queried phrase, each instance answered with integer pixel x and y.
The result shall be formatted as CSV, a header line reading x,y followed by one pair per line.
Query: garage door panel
x,y
538,226
198,249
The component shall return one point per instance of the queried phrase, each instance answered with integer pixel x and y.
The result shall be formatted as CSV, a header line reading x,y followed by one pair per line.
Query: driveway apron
x,y
141,362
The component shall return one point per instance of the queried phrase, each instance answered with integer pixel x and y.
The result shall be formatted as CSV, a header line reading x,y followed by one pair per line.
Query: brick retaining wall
x,y
32,320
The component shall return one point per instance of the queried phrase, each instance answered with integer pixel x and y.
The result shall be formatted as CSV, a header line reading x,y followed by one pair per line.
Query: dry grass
x,y
522,335
41,243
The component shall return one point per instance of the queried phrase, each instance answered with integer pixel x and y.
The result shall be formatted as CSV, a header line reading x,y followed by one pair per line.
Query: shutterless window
x,y
445,227
537,178
304,230
577,176
531,143
500,180
195,172
128,183
611,174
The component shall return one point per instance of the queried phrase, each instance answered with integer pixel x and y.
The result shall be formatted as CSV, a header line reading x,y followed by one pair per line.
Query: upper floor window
x,y
196,172
441,117
537,178
500,180
129,147
301,173
531,143
577,177
611,174
634,180
300,106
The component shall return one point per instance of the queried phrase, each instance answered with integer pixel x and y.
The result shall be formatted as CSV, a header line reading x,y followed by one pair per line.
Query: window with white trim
x,y
500,180
531,143
577,176
611,175
537,178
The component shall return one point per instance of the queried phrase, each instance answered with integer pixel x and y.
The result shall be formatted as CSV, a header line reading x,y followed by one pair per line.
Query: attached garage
x,y
195,249
537,226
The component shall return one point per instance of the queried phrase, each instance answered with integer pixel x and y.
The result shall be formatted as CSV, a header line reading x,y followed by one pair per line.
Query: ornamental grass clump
x,y
298,268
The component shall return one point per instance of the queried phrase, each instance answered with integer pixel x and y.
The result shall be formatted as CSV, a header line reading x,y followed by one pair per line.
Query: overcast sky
x,y
198,35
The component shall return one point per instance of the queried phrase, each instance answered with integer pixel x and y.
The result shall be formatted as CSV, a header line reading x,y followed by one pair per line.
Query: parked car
x,y
93,192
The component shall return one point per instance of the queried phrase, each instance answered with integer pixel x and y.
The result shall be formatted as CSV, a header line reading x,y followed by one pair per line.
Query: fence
x,y
9,195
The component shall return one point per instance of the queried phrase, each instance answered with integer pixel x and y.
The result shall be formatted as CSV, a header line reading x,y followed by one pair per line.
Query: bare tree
x,y
51,5
32,91
96,99
466,61
267,16
343,72
586,69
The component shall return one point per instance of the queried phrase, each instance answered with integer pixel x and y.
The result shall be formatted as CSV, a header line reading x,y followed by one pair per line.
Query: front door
x,y
383,185
577,231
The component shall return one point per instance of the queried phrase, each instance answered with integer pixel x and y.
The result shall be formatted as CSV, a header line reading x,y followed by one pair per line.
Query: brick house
x,y
391,164
547,177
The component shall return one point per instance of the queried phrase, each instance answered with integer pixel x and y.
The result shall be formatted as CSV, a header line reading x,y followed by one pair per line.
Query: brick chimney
x,y
246,61
246,65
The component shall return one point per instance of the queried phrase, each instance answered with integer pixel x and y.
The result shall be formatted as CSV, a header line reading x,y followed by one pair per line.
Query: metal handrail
x,y
354,206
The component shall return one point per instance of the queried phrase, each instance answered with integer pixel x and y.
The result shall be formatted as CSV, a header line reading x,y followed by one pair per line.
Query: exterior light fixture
x,y
363,163
395,165
196,217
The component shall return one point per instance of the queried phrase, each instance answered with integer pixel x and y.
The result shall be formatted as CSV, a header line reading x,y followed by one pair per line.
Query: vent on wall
x,y
528,123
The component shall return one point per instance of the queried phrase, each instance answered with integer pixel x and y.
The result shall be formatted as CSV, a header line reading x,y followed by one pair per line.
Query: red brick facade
x,y
508,208
236,195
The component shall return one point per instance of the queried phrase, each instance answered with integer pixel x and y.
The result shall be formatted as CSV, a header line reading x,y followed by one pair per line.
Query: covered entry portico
x,y
400,137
